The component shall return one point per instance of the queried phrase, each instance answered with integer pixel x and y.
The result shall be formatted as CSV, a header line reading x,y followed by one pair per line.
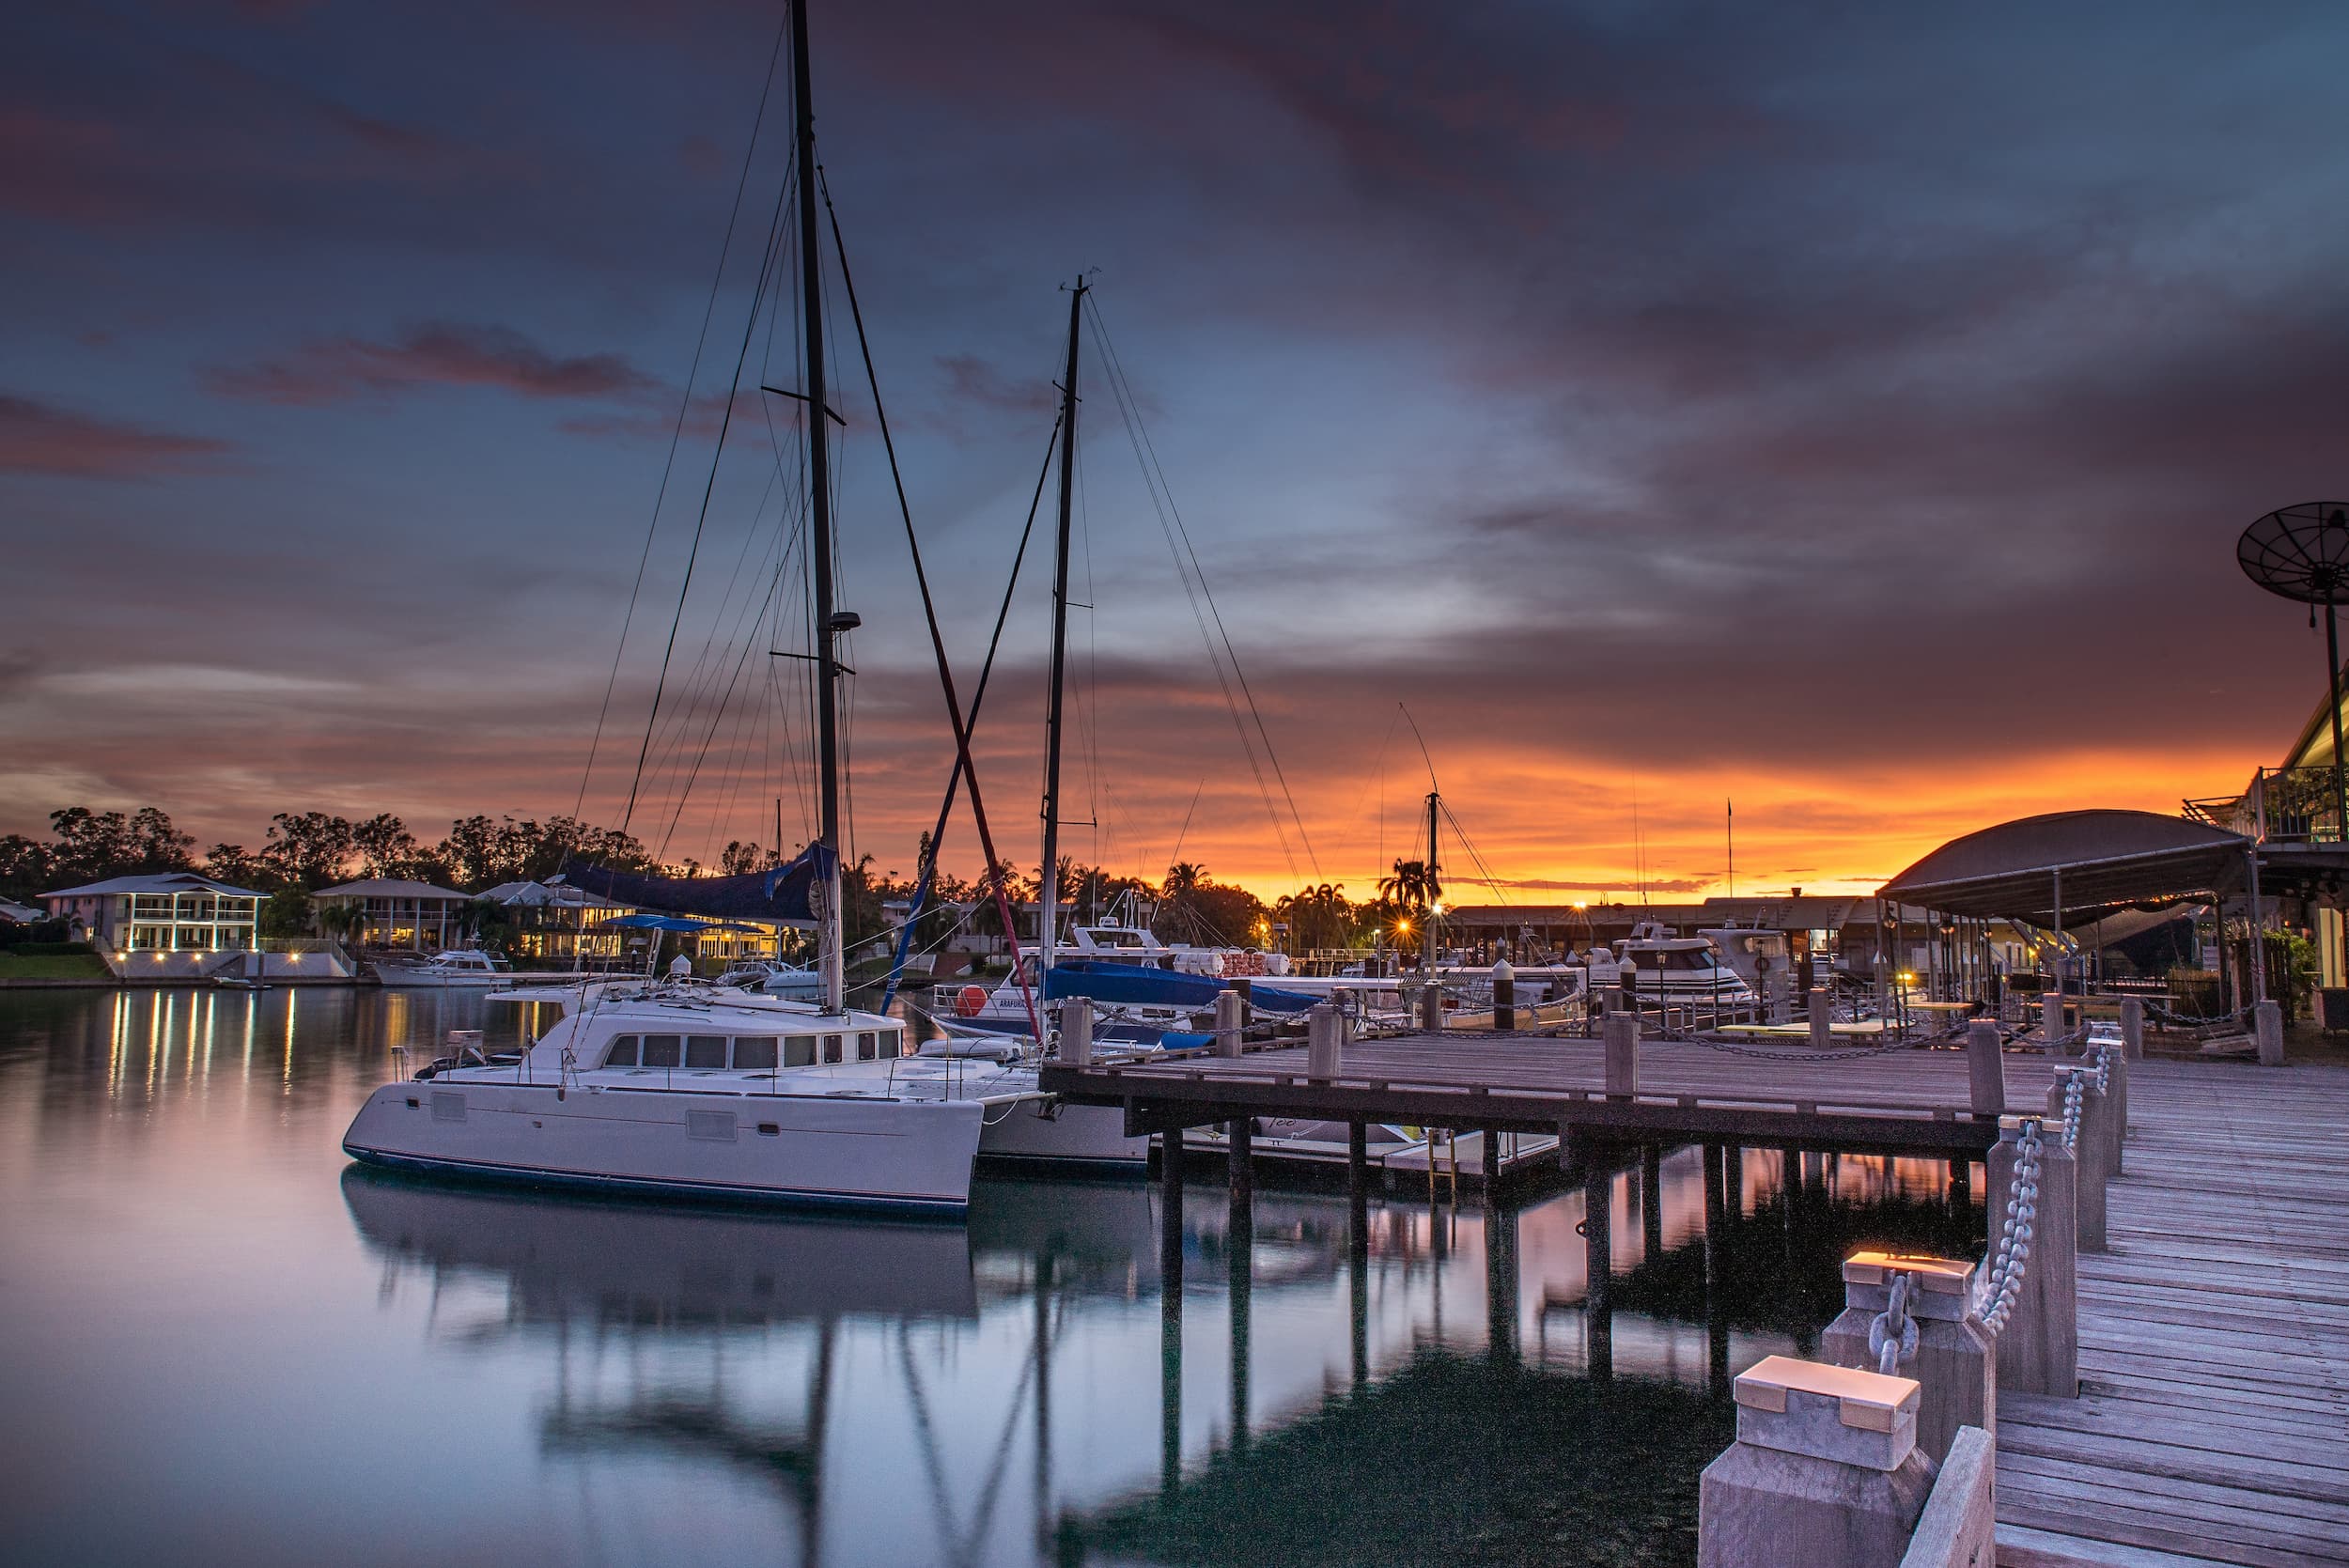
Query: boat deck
x,y
2212,1422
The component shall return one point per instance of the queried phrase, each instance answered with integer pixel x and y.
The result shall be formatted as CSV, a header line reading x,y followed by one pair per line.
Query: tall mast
x,y
1047,896
819,513
1435,887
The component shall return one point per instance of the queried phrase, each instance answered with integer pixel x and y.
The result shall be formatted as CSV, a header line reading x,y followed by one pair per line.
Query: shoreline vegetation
x,y
304,851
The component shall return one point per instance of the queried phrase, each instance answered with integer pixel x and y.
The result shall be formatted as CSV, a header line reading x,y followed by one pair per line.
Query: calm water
x,y
221,1343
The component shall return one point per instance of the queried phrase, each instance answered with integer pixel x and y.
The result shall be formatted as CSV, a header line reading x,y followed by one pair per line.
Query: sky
x,y
1843,412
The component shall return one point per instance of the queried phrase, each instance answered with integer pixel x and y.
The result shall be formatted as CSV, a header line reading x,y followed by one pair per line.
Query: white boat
x,y
1658,964
679,1092
456,967
774,979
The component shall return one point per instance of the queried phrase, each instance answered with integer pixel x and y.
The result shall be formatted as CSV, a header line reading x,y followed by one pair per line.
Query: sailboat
x,y
668,1088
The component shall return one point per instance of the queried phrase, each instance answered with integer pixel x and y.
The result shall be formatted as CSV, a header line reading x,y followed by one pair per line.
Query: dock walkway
x,y
1909,1101
2213,1424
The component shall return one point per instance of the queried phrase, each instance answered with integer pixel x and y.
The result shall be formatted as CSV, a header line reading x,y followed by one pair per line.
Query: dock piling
x,y
2090,1153
1228,1012
1505,996
2051,1022
2132,1029
1076,1031
1986,1068
1954,1361
1599,1254
2267,1028
1623,1055
1825,1470
1324,1032
2038,1348
1431,1007
1650,1203
1821,1016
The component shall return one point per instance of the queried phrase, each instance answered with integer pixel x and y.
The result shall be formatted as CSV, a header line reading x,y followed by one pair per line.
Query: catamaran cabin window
x,y
832,1048
754,1056
705,1051
664,1050
623,1052
867,1048
799,1050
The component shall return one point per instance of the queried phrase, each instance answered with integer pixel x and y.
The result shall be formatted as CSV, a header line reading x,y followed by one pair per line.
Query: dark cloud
x,y
38,439
442,354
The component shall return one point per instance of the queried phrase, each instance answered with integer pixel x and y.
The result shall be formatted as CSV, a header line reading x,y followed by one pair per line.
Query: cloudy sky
x,y
1844,410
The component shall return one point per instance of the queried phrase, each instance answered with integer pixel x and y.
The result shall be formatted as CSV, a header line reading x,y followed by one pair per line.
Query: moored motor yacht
x,y
458,967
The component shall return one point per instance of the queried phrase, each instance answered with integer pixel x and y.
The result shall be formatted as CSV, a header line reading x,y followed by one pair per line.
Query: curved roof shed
x,y
2083,861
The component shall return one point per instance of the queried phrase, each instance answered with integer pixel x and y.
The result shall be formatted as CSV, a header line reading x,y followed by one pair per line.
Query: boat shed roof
x,y
391,887
2105,860
159,882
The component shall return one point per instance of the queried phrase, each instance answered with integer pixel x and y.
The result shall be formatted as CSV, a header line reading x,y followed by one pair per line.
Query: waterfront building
x,y
394,913
164,912
555,919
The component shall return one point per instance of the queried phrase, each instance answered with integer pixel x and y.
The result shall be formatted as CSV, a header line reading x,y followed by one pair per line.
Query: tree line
x,y
307,850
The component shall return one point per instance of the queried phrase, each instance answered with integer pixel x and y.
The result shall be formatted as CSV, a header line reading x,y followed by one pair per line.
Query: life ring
x,y
968,1001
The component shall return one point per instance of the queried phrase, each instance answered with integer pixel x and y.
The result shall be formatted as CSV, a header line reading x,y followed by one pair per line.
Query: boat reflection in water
x,y
1027,1389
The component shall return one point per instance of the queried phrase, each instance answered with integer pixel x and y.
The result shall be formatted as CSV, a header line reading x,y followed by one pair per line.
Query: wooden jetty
x,y
2212,1422
1905,1101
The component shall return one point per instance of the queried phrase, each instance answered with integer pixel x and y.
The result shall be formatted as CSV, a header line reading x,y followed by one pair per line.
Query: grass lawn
x,y
63,965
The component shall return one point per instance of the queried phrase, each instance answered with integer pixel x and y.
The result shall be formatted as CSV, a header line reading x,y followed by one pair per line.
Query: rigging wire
x,y
929,613
684,404
708,489
1170,523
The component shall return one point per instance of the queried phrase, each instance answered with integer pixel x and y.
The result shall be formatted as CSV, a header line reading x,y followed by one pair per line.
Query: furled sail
x,y
792,892
1140,984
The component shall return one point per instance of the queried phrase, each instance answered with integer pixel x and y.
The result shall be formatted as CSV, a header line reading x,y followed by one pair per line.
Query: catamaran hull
x,y
820,1150
1051,1132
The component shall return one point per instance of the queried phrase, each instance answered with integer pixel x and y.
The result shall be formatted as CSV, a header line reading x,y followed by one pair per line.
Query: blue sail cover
x,y
1142,986
784,894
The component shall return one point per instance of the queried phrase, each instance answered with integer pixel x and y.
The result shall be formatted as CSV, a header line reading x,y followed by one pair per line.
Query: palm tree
x,y
1412,884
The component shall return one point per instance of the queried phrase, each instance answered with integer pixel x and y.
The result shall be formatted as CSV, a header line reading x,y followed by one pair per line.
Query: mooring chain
x,y
1892,1333
2004,1284
2104,1066
1763,1053
2074,1101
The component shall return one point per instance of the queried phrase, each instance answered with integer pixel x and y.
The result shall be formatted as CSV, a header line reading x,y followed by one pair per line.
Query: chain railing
x,y
1892,1333
2002,1286
2075,1101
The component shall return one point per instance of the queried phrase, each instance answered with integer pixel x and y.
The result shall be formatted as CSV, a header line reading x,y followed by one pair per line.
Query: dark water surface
x,y
220,1342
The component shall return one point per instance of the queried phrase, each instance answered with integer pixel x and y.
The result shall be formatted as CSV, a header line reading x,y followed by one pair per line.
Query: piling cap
x,y
1942,1291
1501,969
1856,1418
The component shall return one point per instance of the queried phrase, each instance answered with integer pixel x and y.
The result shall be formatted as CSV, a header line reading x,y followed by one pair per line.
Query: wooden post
x,y
2089,1163
1245,989
1505,996
2267,1028
1358,1244
2039,1347
1954,1360
1985,1069
2051,1020
1431,1006
1598,1262
1650,1203
2117,1125
1623,1055
1227,1023
1822,1016
2132,1030
1076,1031
1825,1470
1170,1309
1324,1032
1240,1253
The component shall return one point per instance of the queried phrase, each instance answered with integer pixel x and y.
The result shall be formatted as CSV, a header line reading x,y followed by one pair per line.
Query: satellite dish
x,y
2299,553
2302,552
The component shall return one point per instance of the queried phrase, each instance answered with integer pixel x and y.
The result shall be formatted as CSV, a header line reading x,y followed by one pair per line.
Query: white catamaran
x,y
682,1089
